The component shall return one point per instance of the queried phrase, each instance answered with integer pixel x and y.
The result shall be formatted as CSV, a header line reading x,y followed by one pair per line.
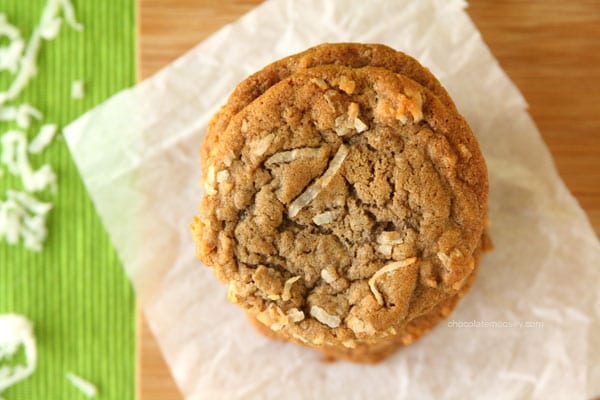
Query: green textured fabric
x,y
75,291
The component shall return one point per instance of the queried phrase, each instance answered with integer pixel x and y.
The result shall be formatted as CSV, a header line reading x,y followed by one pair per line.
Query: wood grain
x,y
550,48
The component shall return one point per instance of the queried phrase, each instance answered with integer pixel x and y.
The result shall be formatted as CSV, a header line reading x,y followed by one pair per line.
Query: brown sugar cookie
x,y
345,209
354,55
375,352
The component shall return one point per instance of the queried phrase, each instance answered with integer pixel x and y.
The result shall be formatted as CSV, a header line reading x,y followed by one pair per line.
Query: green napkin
x,y
74,291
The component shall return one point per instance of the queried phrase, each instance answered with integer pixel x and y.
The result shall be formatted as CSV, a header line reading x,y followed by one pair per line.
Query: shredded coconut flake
x,y
332,321
291,155
222,176
295,315
415,106
320,83
347,85
385,249
23,216
342,126
77,89
29,203
300,338
328,276
385,270
16,331
42,179
287,287
43,138
8,113
313,190
51,28
11,53
353,110
444,258
360,126
84,386
349,122
14,156
24,114
359,326
14,144
273,317
328,98
69,14
46,29
389,237
229,158
324,218
7,29
262,145
209,183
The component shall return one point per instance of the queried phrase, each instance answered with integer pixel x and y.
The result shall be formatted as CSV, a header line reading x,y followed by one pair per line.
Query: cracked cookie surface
x,y
352,55
341,204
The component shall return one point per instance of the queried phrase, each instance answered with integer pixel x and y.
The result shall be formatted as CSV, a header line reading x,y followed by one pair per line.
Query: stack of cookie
x,y
345,200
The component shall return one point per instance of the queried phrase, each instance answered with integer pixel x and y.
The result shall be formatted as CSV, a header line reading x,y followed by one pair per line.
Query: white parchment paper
x,y
529,328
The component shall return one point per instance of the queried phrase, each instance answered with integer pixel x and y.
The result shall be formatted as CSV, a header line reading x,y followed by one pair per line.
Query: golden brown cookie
x,y
376,352
354,55
342,206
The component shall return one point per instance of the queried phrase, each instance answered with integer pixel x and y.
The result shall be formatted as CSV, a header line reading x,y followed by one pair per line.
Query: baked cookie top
x,y
342,203
354,55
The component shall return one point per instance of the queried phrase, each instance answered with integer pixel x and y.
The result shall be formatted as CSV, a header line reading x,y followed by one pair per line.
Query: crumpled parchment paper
x,y
529,328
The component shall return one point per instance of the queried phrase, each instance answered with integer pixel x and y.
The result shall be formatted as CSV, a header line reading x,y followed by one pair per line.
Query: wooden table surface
x,y
550,48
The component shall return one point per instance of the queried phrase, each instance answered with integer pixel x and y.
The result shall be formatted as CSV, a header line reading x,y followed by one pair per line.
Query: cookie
x,y
374,353
344,207
354,55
